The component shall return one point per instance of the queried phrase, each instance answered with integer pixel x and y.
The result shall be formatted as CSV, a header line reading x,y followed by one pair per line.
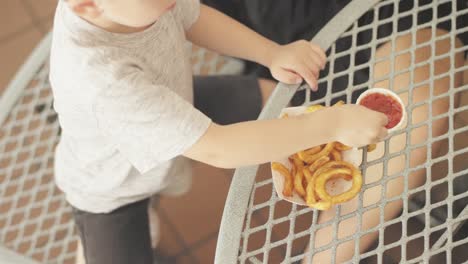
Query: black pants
x,y
122,236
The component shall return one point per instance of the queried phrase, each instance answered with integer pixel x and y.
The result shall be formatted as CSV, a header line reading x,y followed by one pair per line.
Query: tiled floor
x,y
192,220
22,24
189,223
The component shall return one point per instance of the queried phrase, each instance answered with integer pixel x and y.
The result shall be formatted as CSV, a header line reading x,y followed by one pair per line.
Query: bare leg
x,y
417,157
79,254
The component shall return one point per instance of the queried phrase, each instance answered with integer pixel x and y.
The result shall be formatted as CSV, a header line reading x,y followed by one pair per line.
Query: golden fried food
x,y
308,180
336,155
311,199
302,155
371,147
310,189
324,152
333,165
293,165
339,103
317,164
312,168
322,179
341,147
288,178
314,108
298,183
313,150
298,176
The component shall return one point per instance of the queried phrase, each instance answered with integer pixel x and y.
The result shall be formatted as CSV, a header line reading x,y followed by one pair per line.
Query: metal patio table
x,y
254,218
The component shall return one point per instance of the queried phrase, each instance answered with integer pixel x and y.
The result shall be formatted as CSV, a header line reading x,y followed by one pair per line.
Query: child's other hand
x,y
293,62
357,126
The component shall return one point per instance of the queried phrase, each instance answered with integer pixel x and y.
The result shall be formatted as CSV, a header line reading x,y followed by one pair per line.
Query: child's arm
x,y
222,34
258,142
150,124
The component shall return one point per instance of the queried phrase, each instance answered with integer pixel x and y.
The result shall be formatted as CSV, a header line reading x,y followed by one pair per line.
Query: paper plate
x,y
334,187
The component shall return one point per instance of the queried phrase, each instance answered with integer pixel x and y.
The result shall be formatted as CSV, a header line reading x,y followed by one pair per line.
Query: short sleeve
x,y
148,123
187,12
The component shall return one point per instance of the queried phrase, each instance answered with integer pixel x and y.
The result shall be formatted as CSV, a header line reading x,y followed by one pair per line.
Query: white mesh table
x,y
258,227
35,220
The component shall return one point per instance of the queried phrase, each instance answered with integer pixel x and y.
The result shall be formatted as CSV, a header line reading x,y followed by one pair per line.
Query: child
x,y
122,84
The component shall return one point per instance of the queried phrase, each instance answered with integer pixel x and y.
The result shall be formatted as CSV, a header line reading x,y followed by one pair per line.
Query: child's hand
x,y
293,62
356,125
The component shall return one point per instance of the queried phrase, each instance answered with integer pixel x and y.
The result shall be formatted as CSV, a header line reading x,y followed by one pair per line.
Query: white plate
x,y
334,187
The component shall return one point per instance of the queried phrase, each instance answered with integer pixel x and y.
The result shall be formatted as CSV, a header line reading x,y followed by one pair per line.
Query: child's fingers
x,y
318,52
286,76
313,66
308,76
382,118
382,135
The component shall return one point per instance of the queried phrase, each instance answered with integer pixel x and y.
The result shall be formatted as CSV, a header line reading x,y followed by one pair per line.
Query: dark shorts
x,y
119,237
122,236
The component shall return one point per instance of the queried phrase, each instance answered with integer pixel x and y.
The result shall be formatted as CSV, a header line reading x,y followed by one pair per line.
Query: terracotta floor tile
x,y
45,25
198,213
13,18
264,172
206,252
299,245
255,240
184,260
281,230
263,194
277,254
258,240
14,52
42,8
281,209
168,244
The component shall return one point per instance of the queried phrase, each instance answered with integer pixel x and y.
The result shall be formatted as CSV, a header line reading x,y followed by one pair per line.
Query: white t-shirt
x,y
125,107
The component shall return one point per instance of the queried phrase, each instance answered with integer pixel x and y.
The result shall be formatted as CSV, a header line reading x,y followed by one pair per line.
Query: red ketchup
x,y
385,104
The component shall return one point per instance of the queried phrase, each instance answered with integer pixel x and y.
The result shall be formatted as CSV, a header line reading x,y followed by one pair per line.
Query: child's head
x,y
131,13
